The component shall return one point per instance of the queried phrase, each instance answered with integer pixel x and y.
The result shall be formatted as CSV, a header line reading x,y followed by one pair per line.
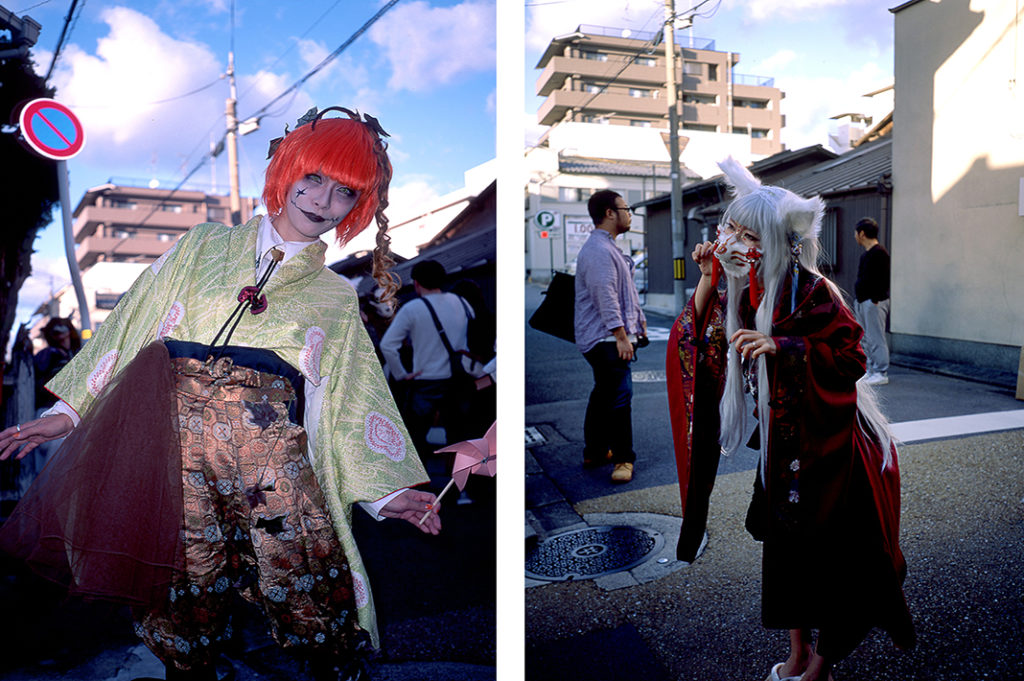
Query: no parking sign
x,y
51,129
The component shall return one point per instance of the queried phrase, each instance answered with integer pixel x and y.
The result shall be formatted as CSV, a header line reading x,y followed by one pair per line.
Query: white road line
x,y
931,429
657,333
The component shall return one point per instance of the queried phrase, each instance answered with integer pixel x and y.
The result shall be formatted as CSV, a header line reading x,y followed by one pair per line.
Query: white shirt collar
x,y
268,238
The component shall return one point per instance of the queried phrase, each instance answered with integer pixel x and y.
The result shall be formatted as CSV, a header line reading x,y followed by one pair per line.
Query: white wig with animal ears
x,y
788,226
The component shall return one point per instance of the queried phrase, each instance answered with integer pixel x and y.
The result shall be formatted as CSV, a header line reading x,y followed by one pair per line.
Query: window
x,y
107,301
693,68
758,133
595,56
121,234
700,128
121,203
170,207
751,103
646,61
640,124
216,212
639,92
163,236
696,98
712,72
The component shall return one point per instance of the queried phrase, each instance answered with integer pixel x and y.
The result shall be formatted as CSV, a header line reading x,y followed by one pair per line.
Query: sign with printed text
x,y
577,229
51,129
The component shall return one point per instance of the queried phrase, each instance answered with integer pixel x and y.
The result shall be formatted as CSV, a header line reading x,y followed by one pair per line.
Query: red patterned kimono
x,y
828,515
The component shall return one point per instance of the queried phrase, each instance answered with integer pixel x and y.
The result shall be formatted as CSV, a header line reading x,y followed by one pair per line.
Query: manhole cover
x,y
591,552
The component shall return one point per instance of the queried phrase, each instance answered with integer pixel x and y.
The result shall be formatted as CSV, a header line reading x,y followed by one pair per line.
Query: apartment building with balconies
x,y
123,223
119,229
617,77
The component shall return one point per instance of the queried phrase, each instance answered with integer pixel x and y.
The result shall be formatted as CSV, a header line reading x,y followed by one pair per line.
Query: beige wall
x,y
958,156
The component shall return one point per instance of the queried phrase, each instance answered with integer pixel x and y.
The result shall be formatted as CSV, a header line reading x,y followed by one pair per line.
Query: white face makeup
x,y
737,248
315,204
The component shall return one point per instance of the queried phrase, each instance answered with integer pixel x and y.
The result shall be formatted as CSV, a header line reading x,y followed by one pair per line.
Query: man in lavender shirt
x,y
608,322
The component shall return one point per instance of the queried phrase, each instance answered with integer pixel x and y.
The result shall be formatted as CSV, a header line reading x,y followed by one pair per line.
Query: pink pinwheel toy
x,y
477,456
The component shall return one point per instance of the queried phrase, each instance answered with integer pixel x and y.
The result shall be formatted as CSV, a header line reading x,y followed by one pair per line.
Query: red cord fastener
x,y
257,302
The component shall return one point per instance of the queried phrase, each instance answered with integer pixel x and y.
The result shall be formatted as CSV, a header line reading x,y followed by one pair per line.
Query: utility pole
x,y
676,196
232,137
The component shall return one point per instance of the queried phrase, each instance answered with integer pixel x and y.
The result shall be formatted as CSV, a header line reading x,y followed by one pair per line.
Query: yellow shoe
x,y
623,472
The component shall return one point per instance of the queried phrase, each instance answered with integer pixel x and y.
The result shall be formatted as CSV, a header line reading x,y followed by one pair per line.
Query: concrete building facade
x,y
617,76
958,173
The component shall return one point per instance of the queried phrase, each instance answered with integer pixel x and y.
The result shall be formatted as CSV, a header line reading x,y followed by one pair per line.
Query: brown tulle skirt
x,y
104,516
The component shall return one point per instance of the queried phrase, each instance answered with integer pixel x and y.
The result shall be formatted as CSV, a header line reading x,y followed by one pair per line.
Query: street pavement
x,y
435,600
962,466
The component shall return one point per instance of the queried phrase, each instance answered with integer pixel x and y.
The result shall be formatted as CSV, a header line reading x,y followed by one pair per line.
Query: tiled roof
x,y
607,166
472,250
861,168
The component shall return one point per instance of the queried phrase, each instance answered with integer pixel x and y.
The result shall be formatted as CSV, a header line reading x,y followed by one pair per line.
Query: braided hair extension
x,y
382,260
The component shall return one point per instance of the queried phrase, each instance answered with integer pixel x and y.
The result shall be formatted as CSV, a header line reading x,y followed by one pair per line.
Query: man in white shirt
x,y
425,390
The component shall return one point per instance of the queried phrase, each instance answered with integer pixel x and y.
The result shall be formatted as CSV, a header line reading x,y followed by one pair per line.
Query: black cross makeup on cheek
x,y
299,192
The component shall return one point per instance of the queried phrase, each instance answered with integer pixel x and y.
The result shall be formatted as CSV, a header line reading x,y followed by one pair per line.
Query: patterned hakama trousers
x,y
255,523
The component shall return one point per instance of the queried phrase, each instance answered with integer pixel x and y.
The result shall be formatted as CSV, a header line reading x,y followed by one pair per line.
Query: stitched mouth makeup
x,y
313,217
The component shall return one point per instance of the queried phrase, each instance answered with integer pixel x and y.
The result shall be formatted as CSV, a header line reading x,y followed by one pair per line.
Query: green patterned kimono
x,y
360,450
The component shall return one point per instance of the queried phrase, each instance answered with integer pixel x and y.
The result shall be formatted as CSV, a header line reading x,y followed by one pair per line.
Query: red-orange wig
x,y
342,149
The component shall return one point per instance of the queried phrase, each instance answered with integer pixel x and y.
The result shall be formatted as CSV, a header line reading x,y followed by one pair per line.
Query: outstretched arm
x,y
31,434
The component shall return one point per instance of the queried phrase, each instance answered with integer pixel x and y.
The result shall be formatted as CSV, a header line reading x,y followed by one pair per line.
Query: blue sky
x,y
824,54
426,69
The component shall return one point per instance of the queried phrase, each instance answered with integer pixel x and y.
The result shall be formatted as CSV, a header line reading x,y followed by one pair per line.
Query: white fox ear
x,y
739,178
802,216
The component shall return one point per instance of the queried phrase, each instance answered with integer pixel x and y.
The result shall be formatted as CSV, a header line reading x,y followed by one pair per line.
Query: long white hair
x,y
788,226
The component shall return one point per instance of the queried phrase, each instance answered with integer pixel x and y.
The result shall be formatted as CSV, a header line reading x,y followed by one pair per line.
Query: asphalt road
x,y
962,534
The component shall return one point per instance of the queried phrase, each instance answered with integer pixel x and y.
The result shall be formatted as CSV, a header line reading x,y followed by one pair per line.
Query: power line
x,y
329,58
292,46
294,88
64,33
32,7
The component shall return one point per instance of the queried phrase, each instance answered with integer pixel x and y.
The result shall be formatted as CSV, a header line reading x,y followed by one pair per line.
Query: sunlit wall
x,y
958,160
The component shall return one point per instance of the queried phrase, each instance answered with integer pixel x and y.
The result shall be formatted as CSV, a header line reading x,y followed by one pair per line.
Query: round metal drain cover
x,y
591,552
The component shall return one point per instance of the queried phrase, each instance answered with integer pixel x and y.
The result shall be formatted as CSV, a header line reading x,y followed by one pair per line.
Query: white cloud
x,y
775,62
114,92
49,275
545,21
766,9
341,71
532,129
410,198
432,46
811,102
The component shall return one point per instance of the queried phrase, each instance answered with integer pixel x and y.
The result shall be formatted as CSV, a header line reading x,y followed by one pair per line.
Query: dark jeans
x,y
608,423
425,401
